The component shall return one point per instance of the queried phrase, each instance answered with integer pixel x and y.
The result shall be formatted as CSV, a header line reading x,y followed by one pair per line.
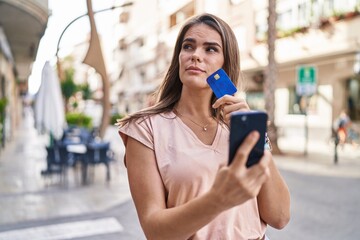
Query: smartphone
x,y
221,84
241,124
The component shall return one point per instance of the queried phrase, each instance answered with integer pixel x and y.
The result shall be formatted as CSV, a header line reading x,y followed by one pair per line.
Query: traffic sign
x,y
306,80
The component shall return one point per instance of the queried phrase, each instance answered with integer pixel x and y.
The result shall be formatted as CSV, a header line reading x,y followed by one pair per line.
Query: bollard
x,y
336,143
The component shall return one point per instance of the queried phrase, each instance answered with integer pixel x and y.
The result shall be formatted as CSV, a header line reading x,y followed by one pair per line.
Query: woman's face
x,y
201,54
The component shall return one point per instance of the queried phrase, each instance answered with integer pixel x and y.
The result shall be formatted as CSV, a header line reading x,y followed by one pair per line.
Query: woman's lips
x,y
194,69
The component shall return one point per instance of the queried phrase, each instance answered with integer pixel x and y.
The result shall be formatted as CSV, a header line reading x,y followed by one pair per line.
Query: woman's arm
x,y
148,193
274,199
233,186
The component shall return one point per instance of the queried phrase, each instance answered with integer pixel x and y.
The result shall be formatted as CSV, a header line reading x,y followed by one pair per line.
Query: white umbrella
x,y
49,105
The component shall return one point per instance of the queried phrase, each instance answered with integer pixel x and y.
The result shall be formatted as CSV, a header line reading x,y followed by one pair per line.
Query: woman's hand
x,y
235,184
229,104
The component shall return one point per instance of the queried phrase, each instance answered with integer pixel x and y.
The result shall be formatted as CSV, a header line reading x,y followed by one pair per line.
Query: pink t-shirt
x,y
188,168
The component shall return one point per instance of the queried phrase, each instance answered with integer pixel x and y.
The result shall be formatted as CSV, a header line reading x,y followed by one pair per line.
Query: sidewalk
x,y
25,195
319,159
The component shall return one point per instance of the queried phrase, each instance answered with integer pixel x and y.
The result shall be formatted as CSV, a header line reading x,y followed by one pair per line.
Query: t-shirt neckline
x,y
191,132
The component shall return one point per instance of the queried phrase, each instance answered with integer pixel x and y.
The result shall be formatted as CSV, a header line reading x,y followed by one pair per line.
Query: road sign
x,y
306,80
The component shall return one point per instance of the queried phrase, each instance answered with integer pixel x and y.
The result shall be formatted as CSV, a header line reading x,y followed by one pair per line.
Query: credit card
x,y
221,84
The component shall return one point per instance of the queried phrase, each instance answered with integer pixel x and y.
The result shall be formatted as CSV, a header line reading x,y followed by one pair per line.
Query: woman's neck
x,y
194,105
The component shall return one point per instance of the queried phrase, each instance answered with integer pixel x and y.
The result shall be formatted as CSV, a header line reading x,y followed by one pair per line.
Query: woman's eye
x,y
187,46
212,49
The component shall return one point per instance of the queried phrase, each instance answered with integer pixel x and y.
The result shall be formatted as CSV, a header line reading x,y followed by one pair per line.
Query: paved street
x,y
325,197
322,207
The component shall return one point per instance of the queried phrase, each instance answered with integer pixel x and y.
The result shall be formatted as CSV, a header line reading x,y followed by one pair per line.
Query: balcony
x,y
24,23
338,37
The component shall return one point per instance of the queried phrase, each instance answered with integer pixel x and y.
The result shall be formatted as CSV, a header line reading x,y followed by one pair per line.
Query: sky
x,y
62,13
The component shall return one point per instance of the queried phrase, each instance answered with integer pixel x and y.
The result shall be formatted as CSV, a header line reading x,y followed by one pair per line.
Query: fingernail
x,y
254,134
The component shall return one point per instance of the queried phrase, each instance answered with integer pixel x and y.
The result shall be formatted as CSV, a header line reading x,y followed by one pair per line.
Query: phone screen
x,y
241,124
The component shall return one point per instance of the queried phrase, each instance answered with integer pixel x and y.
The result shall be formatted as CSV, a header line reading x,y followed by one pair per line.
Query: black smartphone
x,y
241,124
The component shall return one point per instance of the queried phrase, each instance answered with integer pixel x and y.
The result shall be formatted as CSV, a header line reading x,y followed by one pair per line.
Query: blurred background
x,y
317,37
300,62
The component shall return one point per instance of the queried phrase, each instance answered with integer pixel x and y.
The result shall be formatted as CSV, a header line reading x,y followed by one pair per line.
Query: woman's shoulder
x,y
155,119
160,119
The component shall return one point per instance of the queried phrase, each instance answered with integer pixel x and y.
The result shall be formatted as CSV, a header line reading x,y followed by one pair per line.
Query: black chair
x,y
98,153
53,164
58,159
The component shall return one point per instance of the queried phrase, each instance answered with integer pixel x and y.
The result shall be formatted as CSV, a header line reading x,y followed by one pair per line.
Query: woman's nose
x,y
196,57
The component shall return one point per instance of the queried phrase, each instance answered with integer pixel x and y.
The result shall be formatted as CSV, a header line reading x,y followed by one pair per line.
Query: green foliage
x,y
68,87
85,90
79,119
290,32
338,15
75,105
3,103
114,117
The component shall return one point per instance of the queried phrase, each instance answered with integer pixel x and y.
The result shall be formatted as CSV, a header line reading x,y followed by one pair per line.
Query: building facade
x,y
321,34
22,24
324,35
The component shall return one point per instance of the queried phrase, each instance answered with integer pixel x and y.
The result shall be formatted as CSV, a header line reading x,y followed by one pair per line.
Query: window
x,y
261,26
304,14
295,14
353,99
182,14
140,41
301,104
256,100
235,2
122,44
240,33
284,20
331,7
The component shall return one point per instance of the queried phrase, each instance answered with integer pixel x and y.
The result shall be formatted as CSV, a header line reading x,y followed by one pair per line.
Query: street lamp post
x,y
84,15
74,20
94,58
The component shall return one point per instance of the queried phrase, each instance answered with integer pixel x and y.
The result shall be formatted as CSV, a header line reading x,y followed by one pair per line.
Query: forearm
x,y
183,221
274,199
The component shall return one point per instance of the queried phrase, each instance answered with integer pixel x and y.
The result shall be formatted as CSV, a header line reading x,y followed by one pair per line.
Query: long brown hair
x,y
169,92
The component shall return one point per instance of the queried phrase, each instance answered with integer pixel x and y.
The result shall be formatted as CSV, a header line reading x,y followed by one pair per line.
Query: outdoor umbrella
x,y
49,105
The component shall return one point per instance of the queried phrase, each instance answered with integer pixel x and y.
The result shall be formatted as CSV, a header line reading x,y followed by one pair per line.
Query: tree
x,y
85,90
270,77
68,86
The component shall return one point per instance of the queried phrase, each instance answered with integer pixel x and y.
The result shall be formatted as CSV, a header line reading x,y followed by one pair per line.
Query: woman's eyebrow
x,y
192,40
189,40
213,44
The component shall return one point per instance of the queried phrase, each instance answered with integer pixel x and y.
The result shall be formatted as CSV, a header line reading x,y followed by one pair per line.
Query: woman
x,y
176,150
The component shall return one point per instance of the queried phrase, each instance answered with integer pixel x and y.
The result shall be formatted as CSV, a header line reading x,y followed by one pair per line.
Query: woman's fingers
x,y
230,104
243,151
228,109
227,99
256,175
236,183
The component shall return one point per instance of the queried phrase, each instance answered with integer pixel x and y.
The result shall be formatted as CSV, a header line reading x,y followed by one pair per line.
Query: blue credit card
x,y
221,84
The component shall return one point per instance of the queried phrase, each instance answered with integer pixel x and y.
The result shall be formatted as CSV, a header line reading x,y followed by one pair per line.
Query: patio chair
x,y
58,159
98,153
